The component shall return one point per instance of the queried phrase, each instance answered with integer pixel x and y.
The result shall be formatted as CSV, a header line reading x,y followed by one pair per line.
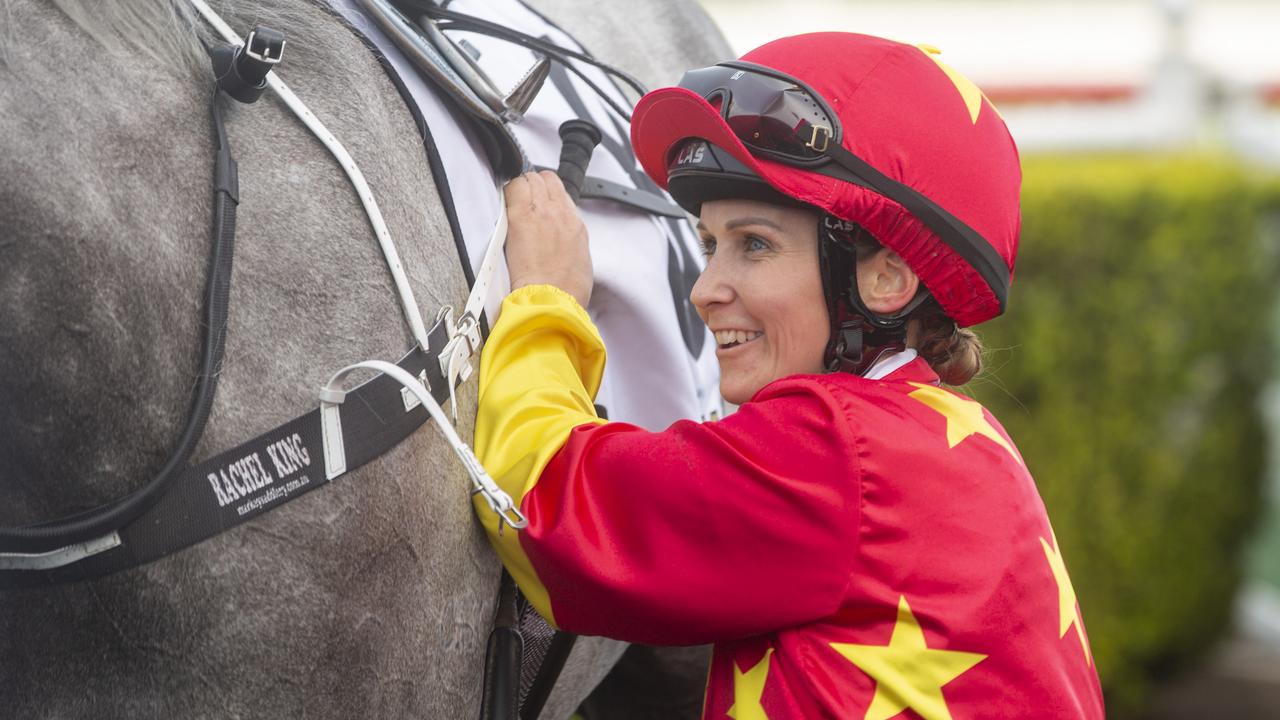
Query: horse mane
x,y
171,32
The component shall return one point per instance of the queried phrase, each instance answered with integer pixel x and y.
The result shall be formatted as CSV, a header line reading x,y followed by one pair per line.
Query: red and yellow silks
x,y
854,548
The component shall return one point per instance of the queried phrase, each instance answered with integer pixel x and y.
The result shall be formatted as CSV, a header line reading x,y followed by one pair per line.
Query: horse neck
x,y
106,166
108,228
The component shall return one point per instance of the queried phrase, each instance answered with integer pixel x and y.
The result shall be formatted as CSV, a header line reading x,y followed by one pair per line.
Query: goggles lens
x,y
765,109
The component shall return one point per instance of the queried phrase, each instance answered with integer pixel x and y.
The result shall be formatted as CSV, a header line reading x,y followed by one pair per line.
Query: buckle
x,y
495,497
265,45
464,342
812,143
455,357
241,70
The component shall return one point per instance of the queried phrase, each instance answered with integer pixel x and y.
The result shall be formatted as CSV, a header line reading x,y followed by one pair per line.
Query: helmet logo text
x,y
691,153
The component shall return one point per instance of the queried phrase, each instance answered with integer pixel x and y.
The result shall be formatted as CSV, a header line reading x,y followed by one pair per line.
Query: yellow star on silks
x,y
970,92
748,687
1068,608
964,417
908,673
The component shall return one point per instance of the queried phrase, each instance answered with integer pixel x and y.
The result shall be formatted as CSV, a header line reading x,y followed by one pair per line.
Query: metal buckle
x,y
813,138
455,357
481,483
264,54
498,501
464,343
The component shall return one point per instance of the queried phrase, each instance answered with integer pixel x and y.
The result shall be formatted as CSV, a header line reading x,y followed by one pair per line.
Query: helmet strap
x,y
859,336
953,232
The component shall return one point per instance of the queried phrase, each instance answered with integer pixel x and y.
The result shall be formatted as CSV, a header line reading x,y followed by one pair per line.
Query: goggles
x,y
780,118
773,114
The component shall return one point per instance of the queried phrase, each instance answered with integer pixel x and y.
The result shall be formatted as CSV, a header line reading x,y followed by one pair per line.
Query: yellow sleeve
x,y
539,373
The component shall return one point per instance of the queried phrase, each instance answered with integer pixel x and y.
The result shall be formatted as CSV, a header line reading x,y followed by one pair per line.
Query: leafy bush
x,y
1129,370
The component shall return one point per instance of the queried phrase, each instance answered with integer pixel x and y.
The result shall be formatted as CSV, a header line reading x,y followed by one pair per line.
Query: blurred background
x,y
1136,366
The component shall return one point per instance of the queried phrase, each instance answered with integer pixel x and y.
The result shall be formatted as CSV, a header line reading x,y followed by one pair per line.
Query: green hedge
x,y
1129,370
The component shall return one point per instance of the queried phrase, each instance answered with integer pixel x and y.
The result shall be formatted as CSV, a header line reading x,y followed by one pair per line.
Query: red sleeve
x,y
705,531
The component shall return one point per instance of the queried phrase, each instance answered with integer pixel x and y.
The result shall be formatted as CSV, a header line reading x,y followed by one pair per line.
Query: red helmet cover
x,y
908,115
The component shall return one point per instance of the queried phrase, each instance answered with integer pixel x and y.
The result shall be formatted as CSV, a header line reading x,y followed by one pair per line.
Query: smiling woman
x,y
855,538
760,294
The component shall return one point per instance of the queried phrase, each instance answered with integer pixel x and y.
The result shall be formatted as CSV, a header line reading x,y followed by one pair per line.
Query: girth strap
x,y
250,479
595,188
504,658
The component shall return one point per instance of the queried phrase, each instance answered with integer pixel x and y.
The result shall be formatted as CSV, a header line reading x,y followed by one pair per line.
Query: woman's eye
x,y
708,247
755,244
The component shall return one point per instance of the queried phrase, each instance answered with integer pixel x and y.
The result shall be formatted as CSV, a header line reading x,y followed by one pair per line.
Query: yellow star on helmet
x,y
1068,608
968,91
908,673
964,417
748,687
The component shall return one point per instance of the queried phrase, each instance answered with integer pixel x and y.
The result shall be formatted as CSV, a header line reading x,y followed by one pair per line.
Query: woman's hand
x,y
546,239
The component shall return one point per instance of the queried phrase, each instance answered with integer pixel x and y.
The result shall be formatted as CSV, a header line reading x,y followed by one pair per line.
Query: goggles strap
x,y
961,238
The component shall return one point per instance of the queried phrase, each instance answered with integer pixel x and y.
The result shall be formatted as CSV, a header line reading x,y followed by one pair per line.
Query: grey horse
x,y
371,597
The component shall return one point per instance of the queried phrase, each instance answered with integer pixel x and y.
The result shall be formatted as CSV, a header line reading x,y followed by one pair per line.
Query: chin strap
x,y
859,337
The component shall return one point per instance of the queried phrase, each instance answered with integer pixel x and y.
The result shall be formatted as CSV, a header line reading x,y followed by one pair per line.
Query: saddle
x,y
453,68
524,654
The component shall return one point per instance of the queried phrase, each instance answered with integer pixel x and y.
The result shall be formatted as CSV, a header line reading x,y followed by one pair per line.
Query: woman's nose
x,y
712,287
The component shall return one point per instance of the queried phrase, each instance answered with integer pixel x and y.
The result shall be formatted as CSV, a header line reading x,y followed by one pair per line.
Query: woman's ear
x,y
885,282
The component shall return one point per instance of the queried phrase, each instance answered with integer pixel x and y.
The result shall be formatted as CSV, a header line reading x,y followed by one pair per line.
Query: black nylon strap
x,y
242,70
958,236
504,658
86,526
643,200
600,189
262,474
595,188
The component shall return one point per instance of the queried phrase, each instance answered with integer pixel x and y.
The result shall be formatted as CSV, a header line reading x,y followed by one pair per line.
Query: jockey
x,y
856,539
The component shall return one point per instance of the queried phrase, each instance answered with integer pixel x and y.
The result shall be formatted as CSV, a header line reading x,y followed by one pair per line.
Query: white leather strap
x,y
407,302
61,556
463,344
497,499
335,452
489,266
464,335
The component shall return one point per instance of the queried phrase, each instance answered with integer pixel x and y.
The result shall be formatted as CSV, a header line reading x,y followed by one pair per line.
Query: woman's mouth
x,y
726,339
